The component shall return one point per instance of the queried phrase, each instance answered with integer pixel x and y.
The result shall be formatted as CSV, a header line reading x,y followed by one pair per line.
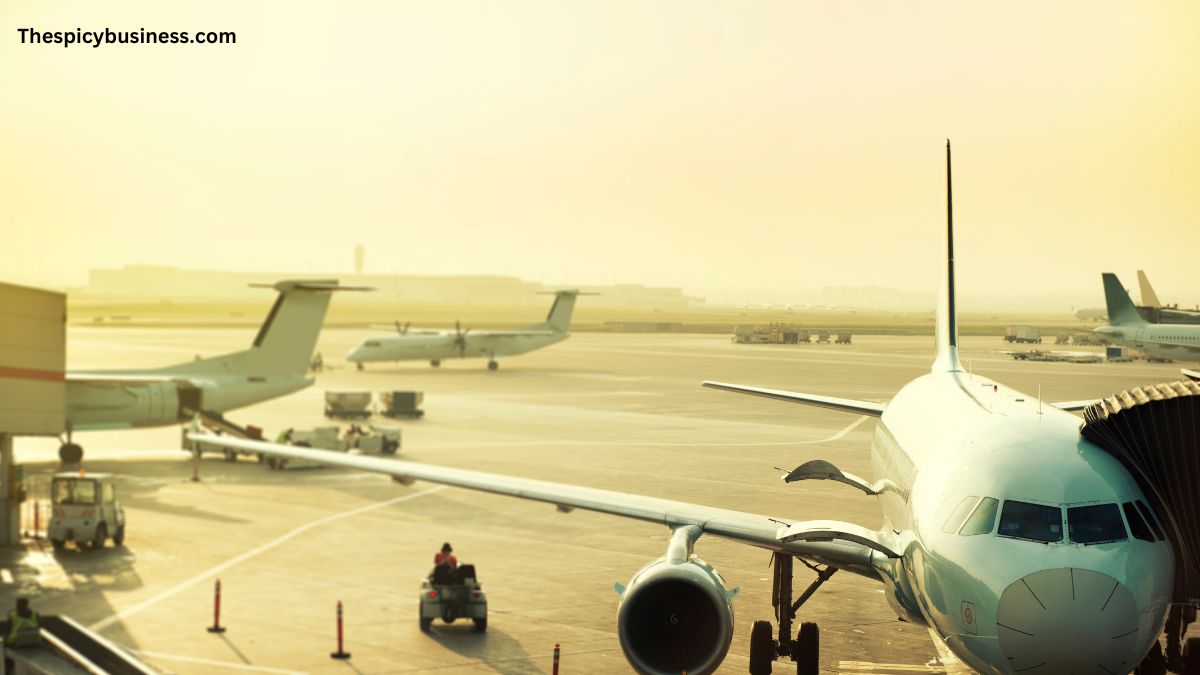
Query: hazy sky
x,y
748,145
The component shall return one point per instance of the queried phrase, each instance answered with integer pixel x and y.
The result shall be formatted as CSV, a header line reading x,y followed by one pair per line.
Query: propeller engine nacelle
x,y
676,617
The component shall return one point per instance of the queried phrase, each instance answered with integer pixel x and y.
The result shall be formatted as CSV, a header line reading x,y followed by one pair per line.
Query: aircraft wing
x,y
842,545
511,333
1074,406
842,404
1193,375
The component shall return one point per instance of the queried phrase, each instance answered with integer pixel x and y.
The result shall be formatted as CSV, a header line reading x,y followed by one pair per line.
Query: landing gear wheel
x,y
70,453
359,365
230,456
1191,657
119,536
492,365
100,537
807,649
762,648
481,625
58,544
425,623
435,362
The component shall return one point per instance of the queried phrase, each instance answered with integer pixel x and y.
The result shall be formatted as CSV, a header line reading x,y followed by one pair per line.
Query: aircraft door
x,y
190,399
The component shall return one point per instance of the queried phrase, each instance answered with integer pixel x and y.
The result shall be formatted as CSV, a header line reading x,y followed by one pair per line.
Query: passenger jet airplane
x,y
420,345
1176,341
1022,546
275,365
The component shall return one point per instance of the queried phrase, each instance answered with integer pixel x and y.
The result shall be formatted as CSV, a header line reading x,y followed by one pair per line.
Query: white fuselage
x,y
96,403
947,437
426,347
1178,342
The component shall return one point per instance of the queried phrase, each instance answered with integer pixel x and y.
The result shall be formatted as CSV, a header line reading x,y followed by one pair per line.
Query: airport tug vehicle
x,y
450,594
86,511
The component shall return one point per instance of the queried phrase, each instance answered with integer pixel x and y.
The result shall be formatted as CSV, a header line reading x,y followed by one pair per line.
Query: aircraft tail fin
x,y
1149,297
559,318
286,341
946,319
1121,310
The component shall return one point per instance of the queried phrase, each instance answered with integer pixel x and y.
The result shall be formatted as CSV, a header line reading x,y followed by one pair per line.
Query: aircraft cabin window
x,y
960,514
1137,525
1035,522
984,518
1095,524
1158,531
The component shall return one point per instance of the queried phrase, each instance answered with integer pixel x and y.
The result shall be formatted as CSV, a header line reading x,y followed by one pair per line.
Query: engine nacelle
x,y
675,617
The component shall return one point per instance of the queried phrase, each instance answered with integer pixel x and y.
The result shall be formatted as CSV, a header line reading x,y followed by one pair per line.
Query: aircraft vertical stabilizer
x,y
1121,311
1149,297
946,320
559,318
286,340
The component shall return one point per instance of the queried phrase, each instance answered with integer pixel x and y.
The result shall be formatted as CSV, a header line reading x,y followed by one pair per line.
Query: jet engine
x,y
675,616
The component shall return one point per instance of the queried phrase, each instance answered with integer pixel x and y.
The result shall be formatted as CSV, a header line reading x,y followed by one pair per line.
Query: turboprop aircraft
x,y
275,364
1176,341
420,345
1021,545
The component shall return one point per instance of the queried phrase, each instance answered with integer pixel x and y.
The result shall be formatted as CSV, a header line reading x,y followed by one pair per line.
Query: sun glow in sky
x,y
715,146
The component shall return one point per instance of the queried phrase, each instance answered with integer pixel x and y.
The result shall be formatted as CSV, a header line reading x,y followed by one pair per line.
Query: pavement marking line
x,y
869,666
210,662
946,658
849,427
283,539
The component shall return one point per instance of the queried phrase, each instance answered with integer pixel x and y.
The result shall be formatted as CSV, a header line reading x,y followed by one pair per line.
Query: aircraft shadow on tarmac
x,y
494,649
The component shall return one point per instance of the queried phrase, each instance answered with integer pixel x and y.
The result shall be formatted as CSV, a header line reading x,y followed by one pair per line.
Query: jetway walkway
x,y
69,649
1155,432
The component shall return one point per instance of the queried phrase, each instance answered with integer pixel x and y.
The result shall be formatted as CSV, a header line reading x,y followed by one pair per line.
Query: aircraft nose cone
x,y
1068,621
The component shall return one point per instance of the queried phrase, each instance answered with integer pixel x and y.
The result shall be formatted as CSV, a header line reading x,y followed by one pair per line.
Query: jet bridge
x,y
32,383
1155,432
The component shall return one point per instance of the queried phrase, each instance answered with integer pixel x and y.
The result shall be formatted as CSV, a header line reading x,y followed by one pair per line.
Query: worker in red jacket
x,y
446,557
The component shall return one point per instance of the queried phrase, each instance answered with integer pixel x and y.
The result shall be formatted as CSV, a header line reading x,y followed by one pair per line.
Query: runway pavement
x,y
612,411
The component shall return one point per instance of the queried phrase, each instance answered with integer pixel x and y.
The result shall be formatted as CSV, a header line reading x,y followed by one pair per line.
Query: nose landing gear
x,y
805,649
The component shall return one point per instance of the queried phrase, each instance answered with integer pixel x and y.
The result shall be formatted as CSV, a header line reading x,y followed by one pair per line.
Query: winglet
x,y
946,320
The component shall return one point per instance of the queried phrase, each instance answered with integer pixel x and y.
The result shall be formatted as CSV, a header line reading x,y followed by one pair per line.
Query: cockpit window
x,y
960,514
1158,532
372,343
1035,522
1137,525
983,520
1095,524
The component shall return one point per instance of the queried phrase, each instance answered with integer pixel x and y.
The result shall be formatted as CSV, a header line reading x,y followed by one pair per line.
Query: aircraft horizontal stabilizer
x,y
1193,375
842,404
303,285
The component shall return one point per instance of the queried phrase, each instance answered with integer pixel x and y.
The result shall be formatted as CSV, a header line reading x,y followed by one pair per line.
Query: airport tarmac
x,y
614,411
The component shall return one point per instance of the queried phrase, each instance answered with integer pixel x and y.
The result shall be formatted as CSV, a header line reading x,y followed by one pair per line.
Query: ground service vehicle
x,y
85,510
450,594
1017,333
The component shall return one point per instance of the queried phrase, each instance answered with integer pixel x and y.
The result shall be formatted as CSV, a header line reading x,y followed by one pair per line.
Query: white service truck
x,y
85,510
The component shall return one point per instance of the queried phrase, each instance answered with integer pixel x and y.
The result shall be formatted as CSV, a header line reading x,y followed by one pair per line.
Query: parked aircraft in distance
x,y
434,345
1175,341
1003,532
275,364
